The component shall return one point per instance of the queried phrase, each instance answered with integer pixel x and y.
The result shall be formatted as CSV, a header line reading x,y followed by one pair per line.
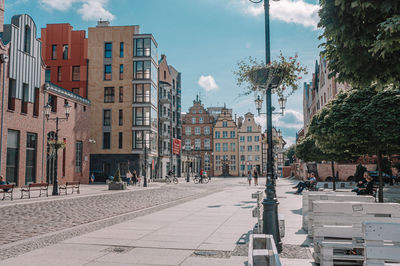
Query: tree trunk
x,y
333,175
380,192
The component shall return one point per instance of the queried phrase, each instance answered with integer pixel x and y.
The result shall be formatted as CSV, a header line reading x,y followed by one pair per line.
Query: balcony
x,y
164,116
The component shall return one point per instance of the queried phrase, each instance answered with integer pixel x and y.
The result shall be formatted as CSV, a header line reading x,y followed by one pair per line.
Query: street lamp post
x,y
270,203
47,111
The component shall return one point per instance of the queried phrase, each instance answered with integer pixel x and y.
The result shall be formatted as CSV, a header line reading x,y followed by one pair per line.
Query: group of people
x,y
365,186
251,176
311,180
133,178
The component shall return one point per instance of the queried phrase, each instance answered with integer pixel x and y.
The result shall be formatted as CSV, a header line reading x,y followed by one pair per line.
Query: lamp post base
x,y
271,222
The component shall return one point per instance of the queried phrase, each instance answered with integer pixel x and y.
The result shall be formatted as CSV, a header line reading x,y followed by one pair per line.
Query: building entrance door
x,y
225,169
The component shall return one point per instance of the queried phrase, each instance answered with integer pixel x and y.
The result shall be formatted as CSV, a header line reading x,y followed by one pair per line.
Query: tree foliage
x,y
361,40
360,169
290,152
117,176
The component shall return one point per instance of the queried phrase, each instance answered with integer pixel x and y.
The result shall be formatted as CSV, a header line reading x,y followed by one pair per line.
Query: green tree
x,y
117,176
359,122
362,40
290,151
358,175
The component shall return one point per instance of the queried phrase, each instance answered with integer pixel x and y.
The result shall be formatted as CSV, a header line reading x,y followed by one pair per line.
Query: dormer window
x,y
27,40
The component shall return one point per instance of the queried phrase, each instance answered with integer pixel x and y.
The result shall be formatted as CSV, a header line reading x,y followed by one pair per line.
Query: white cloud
x,y
207,83
88,10
292,120
290,11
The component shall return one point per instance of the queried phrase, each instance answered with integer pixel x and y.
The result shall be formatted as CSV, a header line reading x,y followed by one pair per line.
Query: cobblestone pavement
x,y
26,221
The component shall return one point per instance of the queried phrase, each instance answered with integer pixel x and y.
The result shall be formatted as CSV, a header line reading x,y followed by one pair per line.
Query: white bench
x,y
331,197
339,184
337,228
305,207
262,251
382,243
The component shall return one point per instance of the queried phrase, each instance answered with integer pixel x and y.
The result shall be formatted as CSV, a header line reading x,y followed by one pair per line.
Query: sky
x,y
204,40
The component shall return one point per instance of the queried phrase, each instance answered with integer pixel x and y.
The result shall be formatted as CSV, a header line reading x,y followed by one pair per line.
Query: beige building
x,y
249,144
225,145
122,86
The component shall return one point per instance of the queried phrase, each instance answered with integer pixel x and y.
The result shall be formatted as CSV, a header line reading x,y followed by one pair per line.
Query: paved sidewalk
x,y
174,236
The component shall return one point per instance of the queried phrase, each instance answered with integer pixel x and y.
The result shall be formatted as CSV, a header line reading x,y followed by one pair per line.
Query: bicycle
x,y
169,179
197,179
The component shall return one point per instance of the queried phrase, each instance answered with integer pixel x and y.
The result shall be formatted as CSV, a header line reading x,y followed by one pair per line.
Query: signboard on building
x,y
176,146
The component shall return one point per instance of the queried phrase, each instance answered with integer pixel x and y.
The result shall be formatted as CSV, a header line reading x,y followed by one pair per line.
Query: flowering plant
x,y
56,145
279,75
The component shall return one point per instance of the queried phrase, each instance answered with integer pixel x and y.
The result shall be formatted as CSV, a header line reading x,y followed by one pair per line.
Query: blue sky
x,y
203,39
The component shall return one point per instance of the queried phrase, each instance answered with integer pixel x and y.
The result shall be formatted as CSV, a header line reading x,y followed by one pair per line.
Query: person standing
x,y
129,176
134,178
255,175
249,177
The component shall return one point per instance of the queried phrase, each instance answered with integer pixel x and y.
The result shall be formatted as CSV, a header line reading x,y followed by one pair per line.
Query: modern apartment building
x,y
250,155
225,145
65,54
123,81
198,135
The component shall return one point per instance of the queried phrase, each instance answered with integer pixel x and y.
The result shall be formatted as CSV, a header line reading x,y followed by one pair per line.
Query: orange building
x,y
65,54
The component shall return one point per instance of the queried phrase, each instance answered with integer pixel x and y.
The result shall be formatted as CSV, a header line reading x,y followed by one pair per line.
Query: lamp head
x,y
47,110
67,108
258,103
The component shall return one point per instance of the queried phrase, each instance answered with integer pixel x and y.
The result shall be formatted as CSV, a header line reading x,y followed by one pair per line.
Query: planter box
x,y
117,186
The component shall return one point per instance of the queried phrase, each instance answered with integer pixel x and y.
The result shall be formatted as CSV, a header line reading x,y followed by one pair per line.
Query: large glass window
x,y
233,134
188,131
233,162
108,50
27,40
201,120
250,148
59,73
154,97
109,94
233,146
257,138
217,134
76,73
249,129
142,93
78,156
141,116
225,147
207,143
224,134
197,131
241,138
224,123
121,49
120,140
107,72
217,146
249,138
257,147
206,131
188,143
120,117
142,47
197,144
52,101
12,156
142,69
153,118
193,120
30,165
121,94
107,117
106,140
121,71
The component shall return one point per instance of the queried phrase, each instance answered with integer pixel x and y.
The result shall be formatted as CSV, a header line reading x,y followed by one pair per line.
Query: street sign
x,y
176,146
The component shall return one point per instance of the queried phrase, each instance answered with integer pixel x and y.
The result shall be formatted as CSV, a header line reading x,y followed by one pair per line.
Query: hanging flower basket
x,y
56,145
266,76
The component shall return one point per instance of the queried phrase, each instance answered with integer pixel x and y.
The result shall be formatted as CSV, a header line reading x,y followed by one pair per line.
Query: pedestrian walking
x,y
134,178
92,178
249,177
255,175
129,177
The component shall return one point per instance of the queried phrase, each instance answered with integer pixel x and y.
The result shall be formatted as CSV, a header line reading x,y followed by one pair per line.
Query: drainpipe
x,y
4,60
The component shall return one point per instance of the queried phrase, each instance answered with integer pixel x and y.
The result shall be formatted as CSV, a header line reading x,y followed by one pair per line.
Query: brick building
x,y
197,127
24,129
65,55
225,145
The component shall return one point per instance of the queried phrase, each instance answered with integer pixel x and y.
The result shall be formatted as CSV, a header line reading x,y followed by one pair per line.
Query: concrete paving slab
x,y
199,261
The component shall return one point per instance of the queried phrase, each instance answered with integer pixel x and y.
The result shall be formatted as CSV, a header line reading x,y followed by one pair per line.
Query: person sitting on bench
x,y
2,182
361,183
368,189
303,184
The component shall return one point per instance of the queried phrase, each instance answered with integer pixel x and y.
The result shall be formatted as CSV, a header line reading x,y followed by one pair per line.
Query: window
x,y
47,74
217,162
201,120
121,71
24,103
233,134
59,73
224,123
120,117
249,138
249,129
142,69
142,116
27,40
107,117
207,165
197,131
12,156
107,72
121,94
249,158
78,156
241,138
200,111
36,103
250,148
207,145
76,73
165,74
52,101
106,140
206,131
193,111
30,165
188,131
197,144
121,49
257,157
143,47
54,52
257,147
225,147
109,94
120,140
233,146
249,167
242,167
217,134
217,146
242,158
224,134
256,138
65,52
193,120
187,144
108,50
142,93
76,90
